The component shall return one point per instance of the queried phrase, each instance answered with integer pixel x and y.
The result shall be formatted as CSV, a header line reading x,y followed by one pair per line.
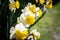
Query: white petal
x,y
37,14
11,1
12,9
22,18
44,9
37,8
37,34
22,10
47,2
27,25
12,29
29,4
12,35
33,31
20,27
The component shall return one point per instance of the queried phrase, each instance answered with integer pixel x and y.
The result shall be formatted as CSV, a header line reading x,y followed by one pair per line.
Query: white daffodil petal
x,y
12,35
12,29
20,27
22,18
37,8
11,1
47,2
27,25
44,8
12,9
37,34
29,4
37,14
33,31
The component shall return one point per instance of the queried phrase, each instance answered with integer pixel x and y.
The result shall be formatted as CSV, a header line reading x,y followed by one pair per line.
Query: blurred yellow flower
x,y
21,35
41,1
49,6
40,13
17,4
36,34
36,1
33,8
30,19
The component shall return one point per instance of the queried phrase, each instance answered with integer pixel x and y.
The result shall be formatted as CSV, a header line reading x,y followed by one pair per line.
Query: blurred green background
x,y
49,25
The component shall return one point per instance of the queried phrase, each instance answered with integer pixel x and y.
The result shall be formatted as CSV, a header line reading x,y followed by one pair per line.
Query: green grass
x,y
49,23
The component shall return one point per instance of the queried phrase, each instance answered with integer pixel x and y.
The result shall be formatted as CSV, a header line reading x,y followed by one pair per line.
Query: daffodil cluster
x,y
29,14
27,18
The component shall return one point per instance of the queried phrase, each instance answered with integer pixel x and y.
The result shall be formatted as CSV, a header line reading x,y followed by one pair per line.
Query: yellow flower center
x,y
30,20
21,35
33,8
17,4
42,1
40,13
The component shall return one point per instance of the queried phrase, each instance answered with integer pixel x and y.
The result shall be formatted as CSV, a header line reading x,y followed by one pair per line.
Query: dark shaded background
x,y
4,12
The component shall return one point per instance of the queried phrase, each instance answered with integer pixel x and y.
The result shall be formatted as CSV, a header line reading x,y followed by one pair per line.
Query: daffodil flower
x,y
49,6
27,19
32,8
20,32
13,5
35,33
